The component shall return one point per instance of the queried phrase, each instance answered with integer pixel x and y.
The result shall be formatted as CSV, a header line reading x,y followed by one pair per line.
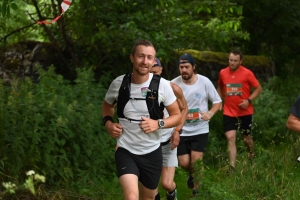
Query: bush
x,y
272,109
55,128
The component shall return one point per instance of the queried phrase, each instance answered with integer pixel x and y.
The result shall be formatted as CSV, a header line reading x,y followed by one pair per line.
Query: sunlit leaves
x,y
6,6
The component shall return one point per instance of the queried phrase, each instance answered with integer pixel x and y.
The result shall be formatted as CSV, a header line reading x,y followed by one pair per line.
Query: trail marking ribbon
x,y
64,6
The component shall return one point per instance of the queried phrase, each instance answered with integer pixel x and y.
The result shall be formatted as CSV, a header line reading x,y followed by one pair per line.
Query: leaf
x,y
8,11
235,26
3,10
14,6
62,142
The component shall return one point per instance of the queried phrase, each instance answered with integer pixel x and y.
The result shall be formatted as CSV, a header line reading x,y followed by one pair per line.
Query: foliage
x,y
172,24
272,109
270,176
6,6
55,128
101,35
274,28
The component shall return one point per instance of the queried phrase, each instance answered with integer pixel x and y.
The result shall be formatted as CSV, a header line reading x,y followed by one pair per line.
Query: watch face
x,y
161,123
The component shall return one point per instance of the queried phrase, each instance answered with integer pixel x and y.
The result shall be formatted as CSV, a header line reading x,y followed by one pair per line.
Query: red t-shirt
x,y
236,86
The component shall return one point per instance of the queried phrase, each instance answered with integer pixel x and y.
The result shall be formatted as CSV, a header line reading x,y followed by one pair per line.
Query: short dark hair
x,y
237,52
142,42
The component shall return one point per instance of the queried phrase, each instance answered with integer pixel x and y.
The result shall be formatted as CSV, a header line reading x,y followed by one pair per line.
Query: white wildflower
x,y
9,185
30,172
40,178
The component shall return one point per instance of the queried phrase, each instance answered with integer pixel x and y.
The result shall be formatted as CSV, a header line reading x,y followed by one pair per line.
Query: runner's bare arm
x,y
221,94
114,129
175,138
174,115
255,92
181,103
252,96
208,115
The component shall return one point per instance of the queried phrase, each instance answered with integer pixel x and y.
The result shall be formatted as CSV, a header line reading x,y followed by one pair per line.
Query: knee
x,y
131,196
231,142
167,185
230,138
184,165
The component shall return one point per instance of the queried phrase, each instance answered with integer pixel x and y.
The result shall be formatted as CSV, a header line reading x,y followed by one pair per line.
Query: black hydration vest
x,y
155,109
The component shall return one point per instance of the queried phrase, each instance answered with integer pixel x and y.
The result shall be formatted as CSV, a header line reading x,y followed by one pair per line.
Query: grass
x,y
274,174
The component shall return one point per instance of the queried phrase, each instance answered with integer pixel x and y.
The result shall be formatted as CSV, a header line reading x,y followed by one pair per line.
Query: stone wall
x,y
210,63
22,60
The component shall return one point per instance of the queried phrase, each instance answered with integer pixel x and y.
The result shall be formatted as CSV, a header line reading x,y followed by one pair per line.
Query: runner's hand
x,y
221,107
244,103
148,125
175,139
114,129
205,116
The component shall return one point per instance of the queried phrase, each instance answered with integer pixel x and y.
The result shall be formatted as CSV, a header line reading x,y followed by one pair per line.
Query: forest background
x,y
54,126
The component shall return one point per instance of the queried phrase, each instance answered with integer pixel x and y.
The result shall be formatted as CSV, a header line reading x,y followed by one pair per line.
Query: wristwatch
x,y
179,130
249,100
161,123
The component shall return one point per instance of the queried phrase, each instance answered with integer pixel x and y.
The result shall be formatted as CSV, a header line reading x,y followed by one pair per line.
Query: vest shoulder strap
x,y
154,84
126,81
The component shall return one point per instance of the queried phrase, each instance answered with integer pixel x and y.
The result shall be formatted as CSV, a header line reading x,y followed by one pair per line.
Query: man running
x,y
238,87
197,90
170,140
140,113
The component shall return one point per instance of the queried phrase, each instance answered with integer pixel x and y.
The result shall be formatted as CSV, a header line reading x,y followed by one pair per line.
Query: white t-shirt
x,y
197,96
133,138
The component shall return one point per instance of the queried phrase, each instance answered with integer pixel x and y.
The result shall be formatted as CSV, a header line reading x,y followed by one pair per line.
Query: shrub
x,y
56,128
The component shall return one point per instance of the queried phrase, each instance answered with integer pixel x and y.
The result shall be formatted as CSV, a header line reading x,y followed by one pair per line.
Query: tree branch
x,y
15,31
49,33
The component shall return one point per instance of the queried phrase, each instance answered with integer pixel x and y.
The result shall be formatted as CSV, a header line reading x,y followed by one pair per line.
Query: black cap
x,y
187,59
157,63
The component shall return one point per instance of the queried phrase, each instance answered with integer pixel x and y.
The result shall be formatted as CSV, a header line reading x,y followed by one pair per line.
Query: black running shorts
x,y
146,167
188,143
242,123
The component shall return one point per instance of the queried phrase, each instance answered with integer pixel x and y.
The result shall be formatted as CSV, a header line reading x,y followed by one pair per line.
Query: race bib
x,y
234,89
193,115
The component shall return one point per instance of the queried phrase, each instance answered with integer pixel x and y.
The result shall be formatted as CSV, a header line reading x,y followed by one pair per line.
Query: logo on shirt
x,y
198,95
144,91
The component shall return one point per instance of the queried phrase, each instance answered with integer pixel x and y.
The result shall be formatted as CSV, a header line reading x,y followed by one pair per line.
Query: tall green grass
x,y
273,174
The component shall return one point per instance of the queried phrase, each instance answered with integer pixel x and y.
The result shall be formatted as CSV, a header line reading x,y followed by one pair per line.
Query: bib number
x,y
234,89
193,115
